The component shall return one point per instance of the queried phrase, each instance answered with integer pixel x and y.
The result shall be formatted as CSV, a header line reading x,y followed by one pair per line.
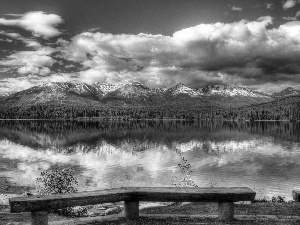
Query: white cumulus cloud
x,y
31,62
289,4
234,8
15,36
39,23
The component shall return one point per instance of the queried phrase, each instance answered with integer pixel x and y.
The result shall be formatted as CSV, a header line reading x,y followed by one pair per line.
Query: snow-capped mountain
x,y
216,90
182,89
55,87
134,89
106,88
62,87
81,88
137,93
227,91
138,89
286,93
4,95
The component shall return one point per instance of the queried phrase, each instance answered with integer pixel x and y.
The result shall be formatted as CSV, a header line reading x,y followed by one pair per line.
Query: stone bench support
x,y
131,209
39,218
226,211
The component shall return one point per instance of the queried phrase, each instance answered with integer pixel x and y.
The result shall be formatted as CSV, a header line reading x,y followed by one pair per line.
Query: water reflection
x,y
264,155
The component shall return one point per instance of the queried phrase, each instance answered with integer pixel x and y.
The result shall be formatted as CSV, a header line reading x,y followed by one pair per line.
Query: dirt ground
x,y
184,213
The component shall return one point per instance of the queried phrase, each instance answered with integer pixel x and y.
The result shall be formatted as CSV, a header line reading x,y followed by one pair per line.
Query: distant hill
x,y
287,108
286,93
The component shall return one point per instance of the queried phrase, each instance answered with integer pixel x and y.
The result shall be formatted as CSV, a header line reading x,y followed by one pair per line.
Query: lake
x,y
264,156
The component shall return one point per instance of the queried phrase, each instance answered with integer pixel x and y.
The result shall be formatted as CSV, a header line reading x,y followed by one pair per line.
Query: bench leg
x,y
39,218
131,209
226,211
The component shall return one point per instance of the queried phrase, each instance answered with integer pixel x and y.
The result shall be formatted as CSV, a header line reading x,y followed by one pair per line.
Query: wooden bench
x,y
40,205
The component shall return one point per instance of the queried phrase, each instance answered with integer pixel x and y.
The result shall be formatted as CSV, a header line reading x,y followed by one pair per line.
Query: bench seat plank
x,y
49,202
194,194
58,201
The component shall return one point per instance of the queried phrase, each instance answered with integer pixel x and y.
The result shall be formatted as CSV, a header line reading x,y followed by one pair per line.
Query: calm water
x,y
264,156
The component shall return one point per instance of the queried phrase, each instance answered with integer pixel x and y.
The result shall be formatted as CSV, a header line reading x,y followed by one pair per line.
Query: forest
x,y
283,109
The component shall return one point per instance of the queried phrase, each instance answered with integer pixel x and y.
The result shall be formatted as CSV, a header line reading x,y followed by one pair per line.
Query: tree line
x,y
283,109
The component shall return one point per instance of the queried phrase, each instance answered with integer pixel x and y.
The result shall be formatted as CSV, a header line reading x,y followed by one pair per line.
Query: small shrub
x,y
60,180
277,199
185,169
274,199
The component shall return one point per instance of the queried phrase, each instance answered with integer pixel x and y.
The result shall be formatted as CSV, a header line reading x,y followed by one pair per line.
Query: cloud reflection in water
x,y
257,163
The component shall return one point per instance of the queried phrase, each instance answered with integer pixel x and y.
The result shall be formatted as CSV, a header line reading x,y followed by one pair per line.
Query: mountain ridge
x,y
134,101
135,93
107,87
178,89
289,91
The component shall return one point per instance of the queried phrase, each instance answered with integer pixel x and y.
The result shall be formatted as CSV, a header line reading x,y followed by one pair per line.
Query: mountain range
x,y
137,94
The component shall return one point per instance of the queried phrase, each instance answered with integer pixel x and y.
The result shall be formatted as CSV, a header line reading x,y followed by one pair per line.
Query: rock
x,y
79,211
110,211
26,194
99,207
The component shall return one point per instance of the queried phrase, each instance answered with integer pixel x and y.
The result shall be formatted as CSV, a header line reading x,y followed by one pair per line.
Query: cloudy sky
x,y
253,43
